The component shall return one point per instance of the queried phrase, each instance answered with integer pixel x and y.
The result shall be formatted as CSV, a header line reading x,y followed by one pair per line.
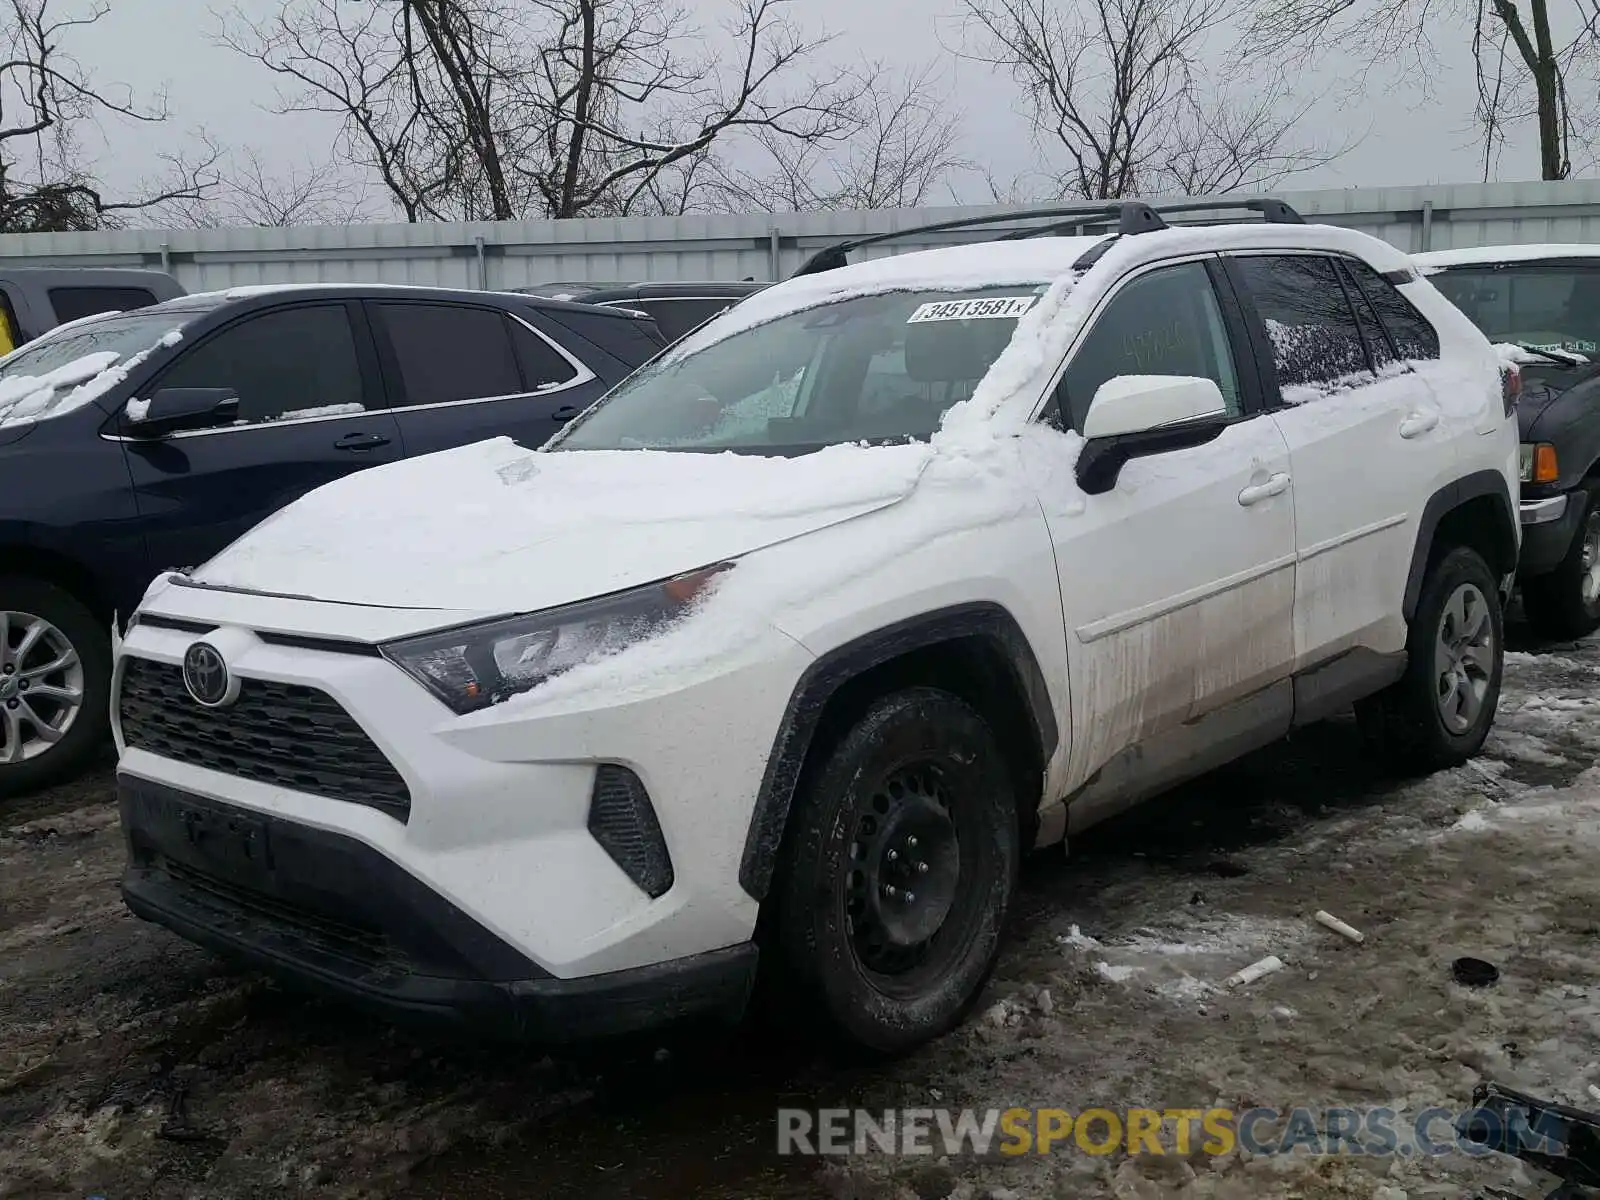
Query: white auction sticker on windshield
x,y
994,307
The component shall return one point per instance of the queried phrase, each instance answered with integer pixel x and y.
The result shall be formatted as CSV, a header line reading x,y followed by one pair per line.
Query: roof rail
x,y
1133,217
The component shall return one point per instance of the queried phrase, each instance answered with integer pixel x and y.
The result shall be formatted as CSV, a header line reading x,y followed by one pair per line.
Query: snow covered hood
x,y
1485,256
496,528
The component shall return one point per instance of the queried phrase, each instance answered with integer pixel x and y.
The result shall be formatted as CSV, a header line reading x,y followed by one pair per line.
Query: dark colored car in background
x,y
34,300
147,440
676,308
1544,301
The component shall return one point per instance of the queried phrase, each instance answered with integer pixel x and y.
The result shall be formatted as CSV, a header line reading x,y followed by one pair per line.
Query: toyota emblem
x,y
205,674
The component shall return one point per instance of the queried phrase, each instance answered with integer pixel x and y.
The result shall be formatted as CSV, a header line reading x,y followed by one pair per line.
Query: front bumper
x,y
323,909
496,815
1548,526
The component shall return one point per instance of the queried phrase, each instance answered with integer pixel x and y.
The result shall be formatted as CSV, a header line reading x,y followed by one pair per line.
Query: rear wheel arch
x,y
1475,511
976,652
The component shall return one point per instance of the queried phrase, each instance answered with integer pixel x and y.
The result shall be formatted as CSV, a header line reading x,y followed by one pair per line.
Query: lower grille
x,y
358,944
285,734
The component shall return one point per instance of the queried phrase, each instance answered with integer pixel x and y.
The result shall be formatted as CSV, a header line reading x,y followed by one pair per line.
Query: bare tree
x,y
518,108
1119,89
1525,55
901,144
250,192
46,101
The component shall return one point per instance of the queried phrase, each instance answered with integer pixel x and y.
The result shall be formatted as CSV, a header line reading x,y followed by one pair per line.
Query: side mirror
x,y
172,410
1136,403
1132,416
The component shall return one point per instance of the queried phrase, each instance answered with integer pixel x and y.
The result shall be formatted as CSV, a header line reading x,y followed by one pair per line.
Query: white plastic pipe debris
x,y
1254,971
1339,927
1594,1091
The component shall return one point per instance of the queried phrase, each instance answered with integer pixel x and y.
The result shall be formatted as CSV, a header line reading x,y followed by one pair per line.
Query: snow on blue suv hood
x,y
497,528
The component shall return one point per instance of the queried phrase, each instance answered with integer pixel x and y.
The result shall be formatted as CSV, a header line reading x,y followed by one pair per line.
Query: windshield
x,y
122,335
1541,305
867,368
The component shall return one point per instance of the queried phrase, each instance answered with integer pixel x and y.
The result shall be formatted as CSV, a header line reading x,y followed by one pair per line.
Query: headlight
x,y
475,666
1538,462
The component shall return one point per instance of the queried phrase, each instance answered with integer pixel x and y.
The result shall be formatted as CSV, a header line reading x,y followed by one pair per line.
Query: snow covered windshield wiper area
x,y
71,366
882,367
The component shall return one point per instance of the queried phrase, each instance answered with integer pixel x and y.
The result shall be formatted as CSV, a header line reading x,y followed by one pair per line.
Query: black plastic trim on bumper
x,y
1545,544
322,909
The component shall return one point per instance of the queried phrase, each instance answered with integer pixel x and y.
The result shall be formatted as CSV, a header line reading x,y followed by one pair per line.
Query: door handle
x,y
1418,424
566,412
1257,492
361,441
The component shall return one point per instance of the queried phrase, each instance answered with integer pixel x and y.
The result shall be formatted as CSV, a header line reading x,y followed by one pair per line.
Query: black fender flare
x,y
1446,499
824,677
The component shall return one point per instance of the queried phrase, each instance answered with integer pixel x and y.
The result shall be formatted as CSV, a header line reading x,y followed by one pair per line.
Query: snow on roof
x,y
1031,261
247,290
1471,256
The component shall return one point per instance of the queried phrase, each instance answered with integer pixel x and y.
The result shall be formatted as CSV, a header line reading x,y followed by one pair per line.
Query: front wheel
x,y
1439,712
55,675
1565,602
897,875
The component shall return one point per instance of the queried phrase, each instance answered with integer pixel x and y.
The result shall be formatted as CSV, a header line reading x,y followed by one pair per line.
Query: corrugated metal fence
x,y
764,246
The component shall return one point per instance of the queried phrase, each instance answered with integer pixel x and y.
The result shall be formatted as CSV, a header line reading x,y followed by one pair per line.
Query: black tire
x,y
1407,722
89,729
862,960
1554,602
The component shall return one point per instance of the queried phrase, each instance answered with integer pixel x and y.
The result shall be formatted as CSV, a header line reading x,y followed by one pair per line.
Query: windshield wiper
x,y
1565,358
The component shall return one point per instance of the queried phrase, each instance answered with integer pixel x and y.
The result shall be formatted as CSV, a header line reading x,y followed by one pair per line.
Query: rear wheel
x,y
1439,712
1565,602
897,876
55,671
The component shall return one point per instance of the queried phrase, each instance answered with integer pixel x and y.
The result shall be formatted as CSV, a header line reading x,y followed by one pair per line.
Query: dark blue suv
x,y
145,440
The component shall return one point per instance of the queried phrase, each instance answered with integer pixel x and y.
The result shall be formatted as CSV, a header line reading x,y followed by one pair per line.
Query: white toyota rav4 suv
x,y
802,635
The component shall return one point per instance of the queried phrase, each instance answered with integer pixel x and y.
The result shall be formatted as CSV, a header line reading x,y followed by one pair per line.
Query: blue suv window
x,y
288,363
450,352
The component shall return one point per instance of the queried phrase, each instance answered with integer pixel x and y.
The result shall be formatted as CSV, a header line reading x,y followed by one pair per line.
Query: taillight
x,y
1510,385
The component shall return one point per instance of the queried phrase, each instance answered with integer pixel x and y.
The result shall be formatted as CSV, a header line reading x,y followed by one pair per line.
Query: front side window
x,y
867,368
1167,322
285,364
1317,346
450,352
1531,304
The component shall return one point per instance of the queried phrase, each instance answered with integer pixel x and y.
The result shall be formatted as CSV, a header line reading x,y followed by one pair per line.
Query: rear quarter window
x,y
1413,334
74,303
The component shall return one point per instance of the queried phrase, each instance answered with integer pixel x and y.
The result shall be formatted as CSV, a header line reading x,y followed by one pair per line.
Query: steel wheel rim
x,y
1589,585
904,873
41,686
1463,661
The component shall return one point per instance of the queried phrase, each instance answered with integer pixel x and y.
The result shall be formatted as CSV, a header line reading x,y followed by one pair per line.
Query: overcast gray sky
x,y
1414,139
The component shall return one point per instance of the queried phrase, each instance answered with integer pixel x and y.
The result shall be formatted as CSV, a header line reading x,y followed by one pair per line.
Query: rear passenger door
x,y
1364,442
459,373
306,378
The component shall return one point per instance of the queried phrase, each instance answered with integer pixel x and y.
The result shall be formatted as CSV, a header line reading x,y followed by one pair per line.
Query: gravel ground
x,y
132,1065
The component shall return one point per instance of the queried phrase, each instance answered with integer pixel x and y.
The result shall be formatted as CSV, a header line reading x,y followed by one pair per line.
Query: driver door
x,y
1177,580
307,386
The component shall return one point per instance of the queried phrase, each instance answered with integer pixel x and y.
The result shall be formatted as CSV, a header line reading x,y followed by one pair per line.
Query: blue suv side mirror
x,y
172,410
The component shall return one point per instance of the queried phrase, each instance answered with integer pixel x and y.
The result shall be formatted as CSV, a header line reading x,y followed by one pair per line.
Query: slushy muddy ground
x,y
132,1065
